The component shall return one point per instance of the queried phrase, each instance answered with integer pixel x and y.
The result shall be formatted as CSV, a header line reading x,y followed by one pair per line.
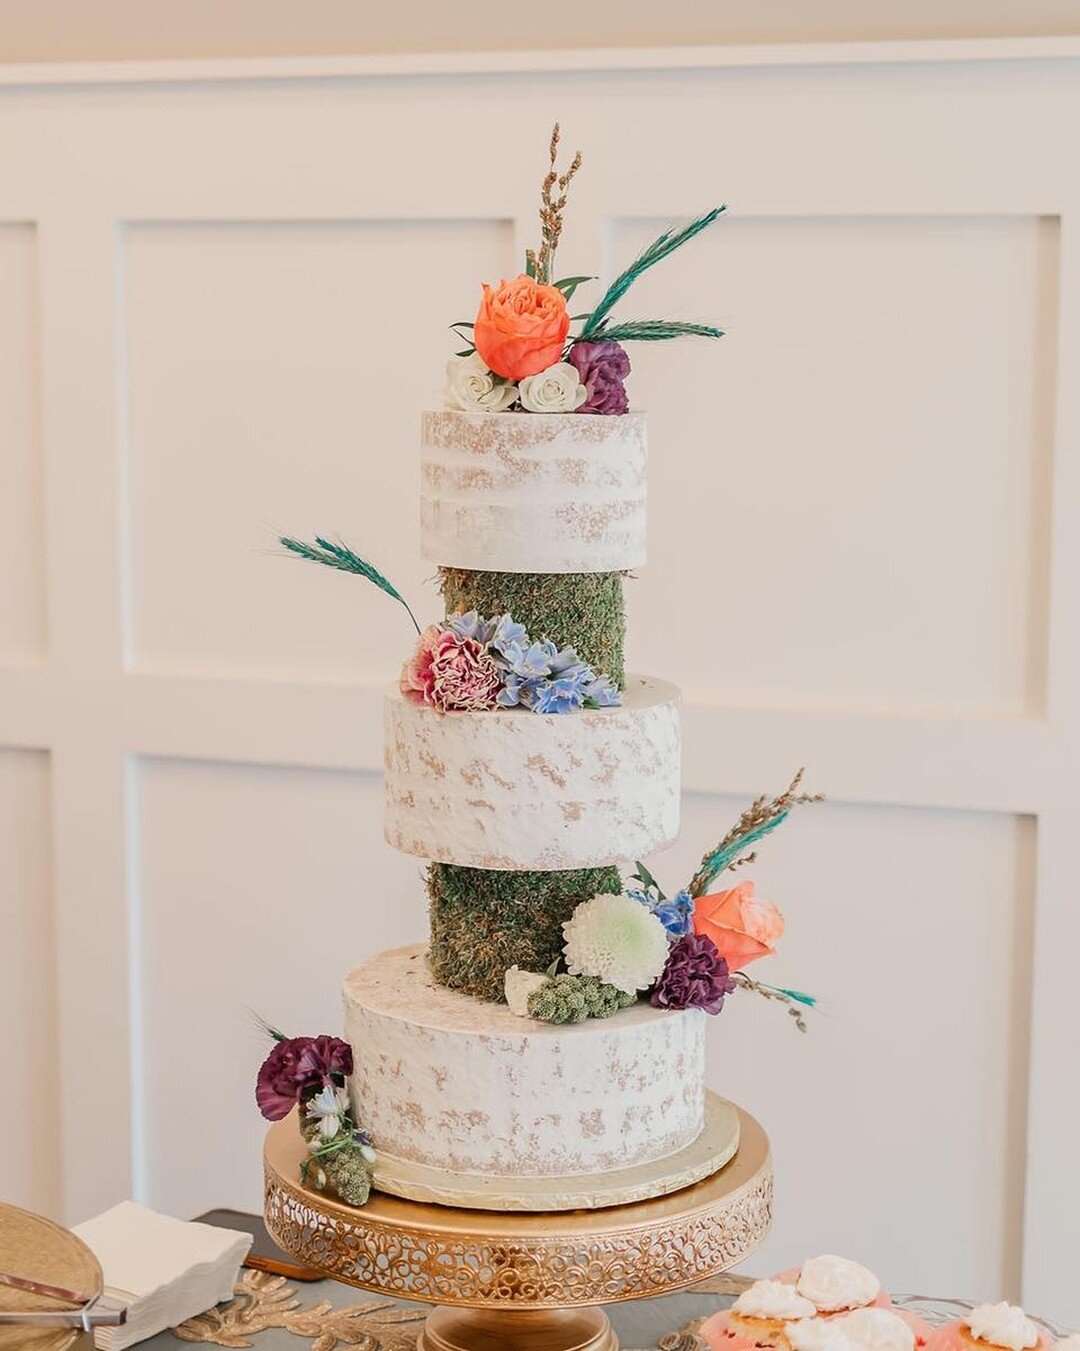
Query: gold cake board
x,y
717,1143
517,1281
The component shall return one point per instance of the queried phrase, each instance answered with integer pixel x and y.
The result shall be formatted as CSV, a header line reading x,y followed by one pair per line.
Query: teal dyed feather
x,y
340,556
799,996
658,330
656,252
712,865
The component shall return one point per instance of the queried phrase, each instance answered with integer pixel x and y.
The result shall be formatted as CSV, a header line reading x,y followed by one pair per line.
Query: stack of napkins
x,y
163,1270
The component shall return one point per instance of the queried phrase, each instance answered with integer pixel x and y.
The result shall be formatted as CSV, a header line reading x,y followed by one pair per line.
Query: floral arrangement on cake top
x,y
687,951
520,355
470,663
309,1073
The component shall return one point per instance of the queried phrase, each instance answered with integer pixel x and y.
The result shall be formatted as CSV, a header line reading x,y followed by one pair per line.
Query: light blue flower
x,y
559,696
531,663
471,625
677,915
601,693
520,691
641,897
564,660
508,635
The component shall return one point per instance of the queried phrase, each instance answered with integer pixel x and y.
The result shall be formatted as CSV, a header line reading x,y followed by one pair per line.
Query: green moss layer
x,y
583,610
483,922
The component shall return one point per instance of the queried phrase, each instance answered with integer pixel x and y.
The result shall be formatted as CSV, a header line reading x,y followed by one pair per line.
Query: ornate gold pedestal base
x,y
507,1281
526,1330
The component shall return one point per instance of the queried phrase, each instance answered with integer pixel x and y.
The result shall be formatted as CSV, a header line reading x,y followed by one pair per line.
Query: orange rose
x,y
521,327
742,927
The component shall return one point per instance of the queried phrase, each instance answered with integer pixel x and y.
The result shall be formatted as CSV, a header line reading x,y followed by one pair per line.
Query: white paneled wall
x,y
223,301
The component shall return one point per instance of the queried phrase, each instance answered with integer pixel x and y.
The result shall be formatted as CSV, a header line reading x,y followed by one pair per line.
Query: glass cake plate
x,y
936,1311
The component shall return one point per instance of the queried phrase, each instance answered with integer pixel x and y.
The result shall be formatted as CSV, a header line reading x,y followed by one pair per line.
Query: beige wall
x,y
102,30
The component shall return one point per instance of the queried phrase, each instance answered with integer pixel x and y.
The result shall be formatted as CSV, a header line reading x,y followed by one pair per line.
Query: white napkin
x,y
163,1270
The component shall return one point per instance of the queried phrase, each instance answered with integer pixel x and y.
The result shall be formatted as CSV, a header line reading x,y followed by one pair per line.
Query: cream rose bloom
x,y
518,985
471,387
556,390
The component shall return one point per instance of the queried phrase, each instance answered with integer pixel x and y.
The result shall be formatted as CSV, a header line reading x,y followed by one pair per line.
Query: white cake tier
x,y
533,492
512,789
451,1083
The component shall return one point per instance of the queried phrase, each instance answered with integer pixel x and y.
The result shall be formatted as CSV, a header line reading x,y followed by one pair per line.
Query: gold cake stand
x,y
515,1281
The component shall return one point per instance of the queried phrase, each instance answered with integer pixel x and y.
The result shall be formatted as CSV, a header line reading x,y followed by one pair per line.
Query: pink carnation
x,y
416,675
463,675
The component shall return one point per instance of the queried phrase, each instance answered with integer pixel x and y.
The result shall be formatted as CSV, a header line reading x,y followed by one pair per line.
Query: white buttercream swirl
x,y
819,1334
1070,1343
832,1283
1003,1325
773,1299
877,1330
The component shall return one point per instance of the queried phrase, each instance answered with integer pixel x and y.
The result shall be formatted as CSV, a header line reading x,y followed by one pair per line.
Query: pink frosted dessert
x,y
827,1304
991,1327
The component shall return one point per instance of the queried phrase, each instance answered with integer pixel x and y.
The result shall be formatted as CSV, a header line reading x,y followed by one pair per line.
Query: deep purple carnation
x,y
603,366
695,976
277,1088
296,1068
323,1057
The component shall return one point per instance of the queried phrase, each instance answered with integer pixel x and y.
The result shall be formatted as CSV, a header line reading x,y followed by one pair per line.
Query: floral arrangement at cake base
x,y
683,952
309,1073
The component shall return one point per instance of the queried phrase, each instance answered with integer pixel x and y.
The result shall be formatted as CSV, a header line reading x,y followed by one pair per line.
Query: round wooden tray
x,y
35,1247
515,1280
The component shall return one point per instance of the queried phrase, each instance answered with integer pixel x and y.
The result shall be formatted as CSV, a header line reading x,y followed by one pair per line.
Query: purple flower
x,y
602,366
323,1058
695,976
276,1090
296,1068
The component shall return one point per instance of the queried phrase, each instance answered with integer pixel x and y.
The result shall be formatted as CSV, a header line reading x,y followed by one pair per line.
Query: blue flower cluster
x,y
676,915
537,675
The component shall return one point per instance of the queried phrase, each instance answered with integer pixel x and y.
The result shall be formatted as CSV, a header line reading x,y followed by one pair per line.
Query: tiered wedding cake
x,y
546,1049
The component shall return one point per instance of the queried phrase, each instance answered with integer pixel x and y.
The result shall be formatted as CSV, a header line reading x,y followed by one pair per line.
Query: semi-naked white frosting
x,y
446,1081
512,789
1003,1325
533,492
773,1300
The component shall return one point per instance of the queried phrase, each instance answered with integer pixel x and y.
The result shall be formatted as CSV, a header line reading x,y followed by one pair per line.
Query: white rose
x,y
471,387
556,390
518,985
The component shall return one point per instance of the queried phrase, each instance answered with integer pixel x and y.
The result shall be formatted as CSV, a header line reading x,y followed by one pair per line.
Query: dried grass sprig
x,y
553,196
795,1000
761,818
